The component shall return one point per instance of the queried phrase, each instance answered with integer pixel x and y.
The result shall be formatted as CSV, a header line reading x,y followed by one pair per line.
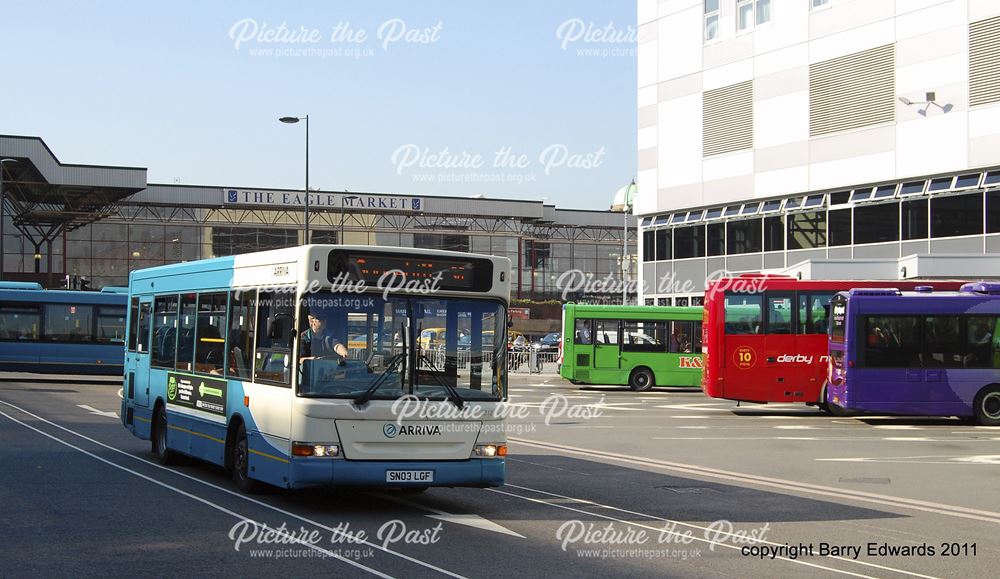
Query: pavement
x,y
602,482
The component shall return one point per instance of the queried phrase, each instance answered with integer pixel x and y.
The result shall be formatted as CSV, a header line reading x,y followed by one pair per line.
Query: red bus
x,y
764,337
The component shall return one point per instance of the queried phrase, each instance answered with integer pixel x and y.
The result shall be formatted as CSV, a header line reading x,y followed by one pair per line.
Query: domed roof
x,y
625,198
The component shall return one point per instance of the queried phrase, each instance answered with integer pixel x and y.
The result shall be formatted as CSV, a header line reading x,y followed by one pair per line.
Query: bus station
x,y
655,288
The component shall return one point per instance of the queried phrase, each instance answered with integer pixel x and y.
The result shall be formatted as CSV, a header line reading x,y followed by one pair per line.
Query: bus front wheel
x,y
987,406
164,455
641,379
241,462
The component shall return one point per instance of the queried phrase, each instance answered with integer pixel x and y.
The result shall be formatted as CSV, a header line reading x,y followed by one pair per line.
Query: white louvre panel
x,y
984,58
727,118
852,91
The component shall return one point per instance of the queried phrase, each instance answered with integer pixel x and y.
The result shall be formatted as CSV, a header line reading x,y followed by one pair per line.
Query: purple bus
x,y
920,353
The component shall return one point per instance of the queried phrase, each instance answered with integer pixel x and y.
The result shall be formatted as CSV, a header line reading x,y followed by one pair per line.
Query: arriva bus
x,y
61,332
638,346
924,353
765,336
247,362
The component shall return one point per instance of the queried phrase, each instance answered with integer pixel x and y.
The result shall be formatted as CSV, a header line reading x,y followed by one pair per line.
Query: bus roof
x,y
302,266
634,312
62,297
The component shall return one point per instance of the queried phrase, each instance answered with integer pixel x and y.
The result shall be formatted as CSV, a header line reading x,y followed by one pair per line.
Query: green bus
x,y
637,346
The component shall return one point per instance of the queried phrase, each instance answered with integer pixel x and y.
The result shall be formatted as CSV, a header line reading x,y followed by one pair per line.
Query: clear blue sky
x,y
164,86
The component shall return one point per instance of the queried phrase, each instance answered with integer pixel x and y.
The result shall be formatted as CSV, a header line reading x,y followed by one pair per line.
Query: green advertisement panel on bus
x,y
635,346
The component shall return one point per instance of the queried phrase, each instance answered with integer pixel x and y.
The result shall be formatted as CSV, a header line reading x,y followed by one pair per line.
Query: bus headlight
x,y
320,450
489,450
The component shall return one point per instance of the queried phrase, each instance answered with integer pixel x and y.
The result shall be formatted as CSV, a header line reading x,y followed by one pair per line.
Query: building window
x,y
814,4
648,247
717,239
453,243
807,230
663,245
763,11
689,242
711,20
914,219
750,13
744,237
957,215
774,233
876,223
993,212
744,15
840,227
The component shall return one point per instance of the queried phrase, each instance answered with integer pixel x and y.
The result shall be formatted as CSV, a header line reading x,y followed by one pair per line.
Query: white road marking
x,y
93,410
795,427
840,494
470,520
663,529
986,459
232,493
285,535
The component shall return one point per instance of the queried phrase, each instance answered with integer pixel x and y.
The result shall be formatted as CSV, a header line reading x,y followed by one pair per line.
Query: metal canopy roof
x,y
45,196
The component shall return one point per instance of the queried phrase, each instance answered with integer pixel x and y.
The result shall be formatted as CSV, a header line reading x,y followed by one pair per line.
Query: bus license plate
x,y
415,476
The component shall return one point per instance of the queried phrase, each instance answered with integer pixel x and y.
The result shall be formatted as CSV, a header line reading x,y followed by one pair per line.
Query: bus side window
x,y
275,323
142,336
164,344
241,333
185,331
582,332
210,328
133,324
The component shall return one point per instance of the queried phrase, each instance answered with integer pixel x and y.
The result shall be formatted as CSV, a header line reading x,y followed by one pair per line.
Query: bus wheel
x,y
164,455
987,406
241,463
641,379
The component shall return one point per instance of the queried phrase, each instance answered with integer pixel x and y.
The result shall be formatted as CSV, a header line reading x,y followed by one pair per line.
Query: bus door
x,y
745,348
812,342
607,350
137,364
785,367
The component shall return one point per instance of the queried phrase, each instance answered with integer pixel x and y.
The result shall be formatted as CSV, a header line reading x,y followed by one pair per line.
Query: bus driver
x,y
317,343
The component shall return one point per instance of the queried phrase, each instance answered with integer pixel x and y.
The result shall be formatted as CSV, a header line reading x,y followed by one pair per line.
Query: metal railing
x,y
526,361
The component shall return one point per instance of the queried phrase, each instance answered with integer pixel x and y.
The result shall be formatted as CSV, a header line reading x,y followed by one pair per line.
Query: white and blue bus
x,y
256,363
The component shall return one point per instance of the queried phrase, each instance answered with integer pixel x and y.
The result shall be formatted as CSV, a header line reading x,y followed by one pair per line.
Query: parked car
x,y
548,342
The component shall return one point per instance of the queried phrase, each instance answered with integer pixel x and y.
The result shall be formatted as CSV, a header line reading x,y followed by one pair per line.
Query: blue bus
x,y
921,353
256,363
61,332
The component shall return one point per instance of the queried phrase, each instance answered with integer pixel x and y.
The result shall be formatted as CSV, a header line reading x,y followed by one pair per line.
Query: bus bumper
x,y
475,472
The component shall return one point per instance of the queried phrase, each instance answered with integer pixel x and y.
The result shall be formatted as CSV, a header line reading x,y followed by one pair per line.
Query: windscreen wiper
x,y
453,394
394,361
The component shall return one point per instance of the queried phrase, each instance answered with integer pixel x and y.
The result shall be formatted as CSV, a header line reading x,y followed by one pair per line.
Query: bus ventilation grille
x,y
583,360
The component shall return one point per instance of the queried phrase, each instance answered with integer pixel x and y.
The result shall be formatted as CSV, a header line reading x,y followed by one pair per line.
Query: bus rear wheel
x,y
641,379
164,455
987,406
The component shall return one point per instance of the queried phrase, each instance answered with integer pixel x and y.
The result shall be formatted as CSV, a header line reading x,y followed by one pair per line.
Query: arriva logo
x,y
392,430
690,362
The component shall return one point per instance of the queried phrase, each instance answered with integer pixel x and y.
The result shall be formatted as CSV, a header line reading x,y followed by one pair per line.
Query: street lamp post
x,y
3,200
626,209
292,121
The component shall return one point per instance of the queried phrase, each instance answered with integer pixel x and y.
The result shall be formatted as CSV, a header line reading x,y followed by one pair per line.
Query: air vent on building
x,y
727,118
984,58
852,91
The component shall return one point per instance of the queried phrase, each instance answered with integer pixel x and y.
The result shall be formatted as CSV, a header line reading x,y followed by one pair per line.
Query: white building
x,y
772,132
